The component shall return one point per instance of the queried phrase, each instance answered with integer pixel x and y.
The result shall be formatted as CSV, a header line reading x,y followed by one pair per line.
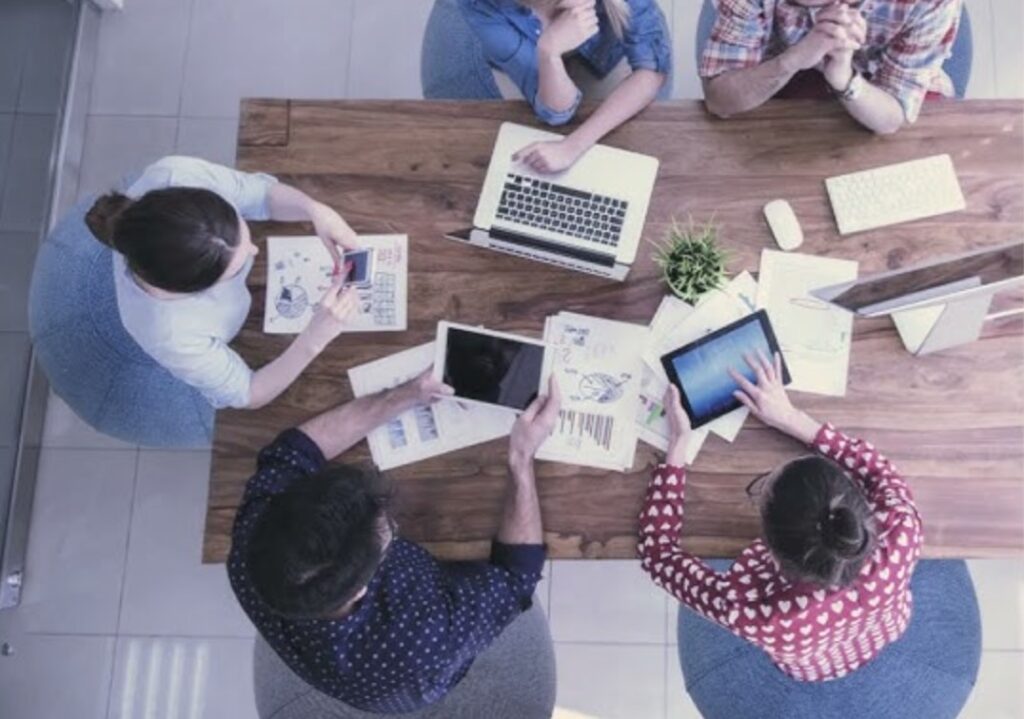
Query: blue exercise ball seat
x,y
92,362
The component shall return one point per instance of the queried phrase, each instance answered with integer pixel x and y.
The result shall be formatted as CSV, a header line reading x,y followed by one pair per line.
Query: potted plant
x,y
690,260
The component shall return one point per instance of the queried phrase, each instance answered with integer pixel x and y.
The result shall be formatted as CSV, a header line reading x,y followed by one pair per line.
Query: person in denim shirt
x,y
534,43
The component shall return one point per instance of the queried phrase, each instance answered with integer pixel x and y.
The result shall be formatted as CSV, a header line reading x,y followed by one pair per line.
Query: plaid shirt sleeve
x,y
910,61
739,37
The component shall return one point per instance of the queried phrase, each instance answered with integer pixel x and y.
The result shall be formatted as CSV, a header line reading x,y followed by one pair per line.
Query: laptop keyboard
x,y
545,205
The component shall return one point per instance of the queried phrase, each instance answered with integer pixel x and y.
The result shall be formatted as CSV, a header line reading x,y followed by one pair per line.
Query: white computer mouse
x,y
784,225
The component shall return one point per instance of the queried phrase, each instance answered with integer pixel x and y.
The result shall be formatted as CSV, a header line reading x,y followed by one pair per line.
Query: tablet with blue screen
x,y
701,369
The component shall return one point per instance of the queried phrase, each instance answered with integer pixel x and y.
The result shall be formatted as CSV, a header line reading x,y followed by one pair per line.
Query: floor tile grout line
x,y
184,68
10,146
351,33
996,89
77,448
110,679
140,635
128,538
86,102
124,578
606,643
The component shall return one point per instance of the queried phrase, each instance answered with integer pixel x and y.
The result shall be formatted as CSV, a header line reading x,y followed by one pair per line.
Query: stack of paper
x,y
674,325
299,272
814,336
598,366
428,430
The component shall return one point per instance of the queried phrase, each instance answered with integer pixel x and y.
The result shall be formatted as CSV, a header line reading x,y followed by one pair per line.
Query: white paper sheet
x,y
597,364
718,309
671,312
299,272
425,431
652,426
814,336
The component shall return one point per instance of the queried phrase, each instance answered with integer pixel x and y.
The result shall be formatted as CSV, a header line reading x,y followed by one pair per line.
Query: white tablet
x,y
492,368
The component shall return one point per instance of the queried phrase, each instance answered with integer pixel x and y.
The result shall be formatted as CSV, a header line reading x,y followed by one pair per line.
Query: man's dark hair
x,y
318,543
817,522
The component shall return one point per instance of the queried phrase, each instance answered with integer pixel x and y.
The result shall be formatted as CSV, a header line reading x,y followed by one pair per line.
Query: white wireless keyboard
x,y
895,193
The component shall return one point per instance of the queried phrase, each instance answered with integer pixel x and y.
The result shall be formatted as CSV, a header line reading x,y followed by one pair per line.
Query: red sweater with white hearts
x,y
812,633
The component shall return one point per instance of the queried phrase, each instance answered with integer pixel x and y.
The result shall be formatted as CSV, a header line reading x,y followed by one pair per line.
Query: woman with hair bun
x,y
829,614
182,253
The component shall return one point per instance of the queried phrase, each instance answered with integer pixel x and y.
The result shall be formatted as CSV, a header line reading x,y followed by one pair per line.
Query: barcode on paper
x,y
579,425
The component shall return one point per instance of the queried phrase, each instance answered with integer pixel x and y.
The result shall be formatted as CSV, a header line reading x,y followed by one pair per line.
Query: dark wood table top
x,y
953,422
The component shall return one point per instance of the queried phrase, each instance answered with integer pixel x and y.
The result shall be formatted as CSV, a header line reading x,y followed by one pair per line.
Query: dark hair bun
x,y
817,522
103,215
842,532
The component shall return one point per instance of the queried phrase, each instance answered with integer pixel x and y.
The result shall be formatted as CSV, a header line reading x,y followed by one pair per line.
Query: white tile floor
x,y
119,617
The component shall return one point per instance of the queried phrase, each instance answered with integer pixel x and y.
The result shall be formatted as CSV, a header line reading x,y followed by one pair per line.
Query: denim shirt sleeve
x,y
646,42
509,50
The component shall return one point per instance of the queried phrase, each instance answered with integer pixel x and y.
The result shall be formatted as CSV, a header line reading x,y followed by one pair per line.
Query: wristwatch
x,y
854,88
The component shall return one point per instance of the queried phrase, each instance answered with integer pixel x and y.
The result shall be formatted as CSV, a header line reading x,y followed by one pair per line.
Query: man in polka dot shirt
x,y
355,611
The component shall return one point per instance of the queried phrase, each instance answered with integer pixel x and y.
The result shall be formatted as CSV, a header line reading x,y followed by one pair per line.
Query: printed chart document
x,y
652,425
813,335
299,272
718,309
428,430
598,367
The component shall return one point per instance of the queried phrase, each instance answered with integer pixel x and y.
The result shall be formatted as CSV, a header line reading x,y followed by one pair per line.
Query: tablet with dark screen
x,y
701,369
489,367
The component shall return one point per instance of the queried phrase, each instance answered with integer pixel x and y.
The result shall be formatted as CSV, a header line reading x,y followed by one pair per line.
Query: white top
x,y
189,335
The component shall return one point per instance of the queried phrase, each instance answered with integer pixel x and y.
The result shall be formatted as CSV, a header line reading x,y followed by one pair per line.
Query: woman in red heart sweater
x,y
822,594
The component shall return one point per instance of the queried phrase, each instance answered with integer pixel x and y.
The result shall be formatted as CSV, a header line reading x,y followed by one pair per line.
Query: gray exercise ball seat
x,y
514,678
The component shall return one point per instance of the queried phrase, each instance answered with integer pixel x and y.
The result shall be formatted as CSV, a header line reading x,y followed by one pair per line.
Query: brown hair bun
x,y
103,215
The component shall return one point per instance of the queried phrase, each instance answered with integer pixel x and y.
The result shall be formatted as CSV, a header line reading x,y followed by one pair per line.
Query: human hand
x,y
768,400
423,389
333,231
330,314
549,156
827,36
838,64
679,427
574,23
534,425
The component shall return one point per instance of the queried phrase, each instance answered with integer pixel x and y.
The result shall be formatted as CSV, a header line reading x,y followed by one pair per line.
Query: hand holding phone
x,y
359,264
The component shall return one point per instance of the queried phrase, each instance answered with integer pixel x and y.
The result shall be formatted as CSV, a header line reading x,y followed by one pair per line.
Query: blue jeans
x,y
452,63
92,362
929,672
957,66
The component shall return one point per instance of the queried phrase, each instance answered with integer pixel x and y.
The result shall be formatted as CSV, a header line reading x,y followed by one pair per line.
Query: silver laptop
x,y
588,218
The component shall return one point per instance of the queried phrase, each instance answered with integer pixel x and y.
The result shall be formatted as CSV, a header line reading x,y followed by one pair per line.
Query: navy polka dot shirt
x,y
415,633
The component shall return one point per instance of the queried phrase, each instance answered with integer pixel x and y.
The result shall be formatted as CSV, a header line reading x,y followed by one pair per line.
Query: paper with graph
x,y
651,422
814,335
675,327
299,273
428,430
598,367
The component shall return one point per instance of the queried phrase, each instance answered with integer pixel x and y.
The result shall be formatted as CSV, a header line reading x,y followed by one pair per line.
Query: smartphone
x,y
361,272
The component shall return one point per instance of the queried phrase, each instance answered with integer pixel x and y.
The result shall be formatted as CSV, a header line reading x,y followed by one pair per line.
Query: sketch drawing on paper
x,y
598,387
300,271
291,301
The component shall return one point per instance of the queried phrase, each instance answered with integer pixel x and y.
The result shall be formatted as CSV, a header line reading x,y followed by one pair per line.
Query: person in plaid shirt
x,y
880,58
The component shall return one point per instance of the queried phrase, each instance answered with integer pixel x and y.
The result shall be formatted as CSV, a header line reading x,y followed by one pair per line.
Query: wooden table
x,y
954,422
